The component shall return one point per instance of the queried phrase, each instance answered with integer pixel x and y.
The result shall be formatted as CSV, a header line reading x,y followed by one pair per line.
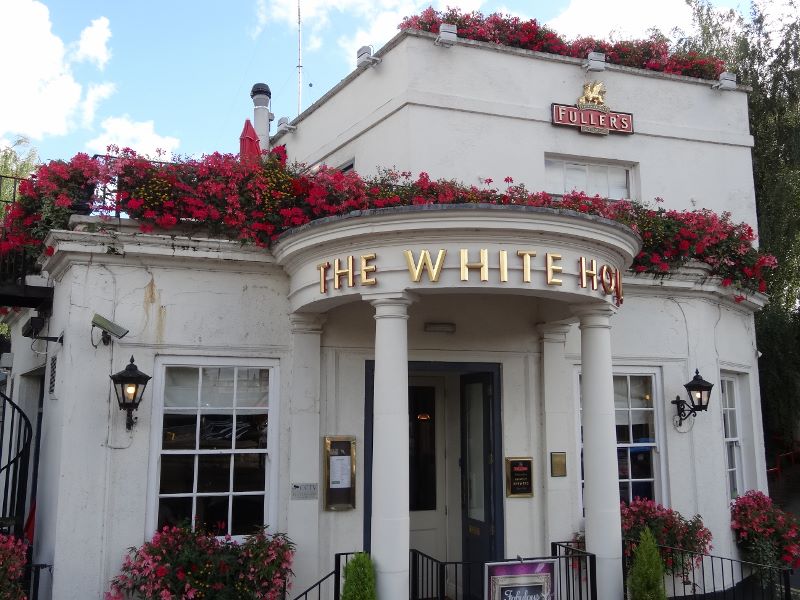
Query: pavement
x,y
785,492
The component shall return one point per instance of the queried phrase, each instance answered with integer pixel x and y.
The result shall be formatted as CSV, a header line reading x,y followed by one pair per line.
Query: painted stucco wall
x,y
477,111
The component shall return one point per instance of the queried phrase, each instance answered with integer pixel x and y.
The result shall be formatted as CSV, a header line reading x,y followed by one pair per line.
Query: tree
x,y
646,579
764,52
17,160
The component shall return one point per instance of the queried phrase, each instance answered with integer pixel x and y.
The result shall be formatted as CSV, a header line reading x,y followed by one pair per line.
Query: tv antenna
x,y
299,59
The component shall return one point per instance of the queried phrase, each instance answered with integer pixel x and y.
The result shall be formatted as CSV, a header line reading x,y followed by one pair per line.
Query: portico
x,y
569,264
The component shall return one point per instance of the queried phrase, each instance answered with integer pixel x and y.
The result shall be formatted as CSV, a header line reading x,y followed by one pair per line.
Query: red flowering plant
x,y
506,30
254,202
681,541
766,534
180,563
13,557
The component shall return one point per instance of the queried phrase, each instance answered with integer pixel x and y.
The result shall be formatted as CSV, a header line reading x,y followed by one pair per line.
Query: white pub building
x,y
462,380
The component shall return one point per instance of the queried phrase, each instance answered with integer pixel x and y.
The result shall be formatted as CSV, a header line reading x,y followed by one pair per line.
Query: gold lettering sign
x,y
343,270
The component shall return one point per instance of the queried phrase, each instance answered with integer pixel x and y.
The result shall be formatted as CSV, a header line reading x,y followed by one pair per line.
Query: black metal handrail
x,y
330,585
709,577
15,443
432,579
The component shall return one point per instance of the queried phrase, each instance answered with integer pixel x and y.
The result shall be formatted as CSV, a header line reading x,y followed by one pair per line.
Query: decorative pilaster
x,y
559,433
390,471
601,487
304,439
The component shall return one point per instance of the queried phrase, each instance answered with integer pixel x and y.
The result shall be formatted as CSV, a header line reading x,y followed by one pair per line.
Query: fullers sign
x,y
591,114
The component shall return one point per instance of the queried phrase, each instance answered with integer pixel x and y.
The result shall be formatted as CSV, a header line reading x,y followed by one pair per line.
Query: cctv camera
x,y
109,328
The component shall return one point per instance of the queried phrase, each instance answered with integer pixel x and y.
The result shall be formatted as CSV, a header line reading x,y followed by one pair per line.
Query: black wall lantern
x,y
129,386
699,391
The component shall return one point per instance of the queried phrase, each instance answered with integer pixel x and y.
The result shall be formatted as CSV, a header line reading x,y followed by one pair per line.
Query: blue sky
x,y
176,74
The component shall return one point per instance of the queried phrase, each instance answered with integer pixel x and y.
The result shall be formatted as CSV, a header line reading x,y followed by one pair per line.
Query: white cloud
x,y
96,93
45,99
44,95
262,18
93,43
620,19
127,133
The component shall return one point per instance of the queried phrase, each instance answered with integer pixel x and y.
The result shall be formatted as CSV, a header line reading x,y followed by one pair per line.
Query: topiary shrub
x,y
646,578
359,578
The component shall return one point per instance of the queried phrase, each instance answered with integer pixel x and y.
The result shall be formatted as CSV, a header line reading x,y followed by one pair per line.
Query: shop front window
x,y
213,463
635,419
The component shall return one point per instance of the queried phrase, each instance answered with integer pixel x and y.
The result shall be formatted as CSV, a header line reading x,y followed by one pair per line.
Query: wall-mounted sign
x,y
339,461
518,580
519,477
305,491
558,464
354,271
591,114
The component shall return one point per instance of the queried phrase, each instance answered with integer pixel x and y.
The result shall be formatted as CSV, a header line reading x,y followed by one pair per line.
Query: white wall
x,y
479,111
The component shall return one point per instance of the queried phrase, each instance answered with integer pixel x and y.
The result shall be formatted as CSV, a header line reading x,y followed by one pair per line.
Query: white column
x,y
390,478
561,493
601,487
304,444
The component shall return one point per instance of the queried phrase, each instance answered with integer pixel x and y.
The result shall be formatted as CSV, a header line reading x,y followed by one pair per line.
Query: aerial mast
x,y
299,60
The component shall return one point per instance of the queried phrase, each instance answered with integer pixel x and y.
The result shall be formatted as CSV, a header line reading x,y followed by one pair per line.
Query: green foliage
x,y
764,51
359,578
646,579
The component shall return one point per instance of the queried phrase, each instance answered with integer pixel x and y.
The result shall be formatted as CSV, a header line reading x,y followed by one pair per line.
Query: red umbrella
x,y
249,149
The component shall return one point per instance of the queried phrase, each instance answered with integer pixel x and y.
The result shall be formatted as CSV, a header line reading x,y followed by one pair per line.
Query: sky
x,y
175,75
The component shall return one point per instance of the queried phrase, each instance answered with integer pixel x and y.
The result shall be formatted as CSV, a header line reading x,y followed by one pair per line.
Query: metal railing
x,y
15,443
329,586
432,579
708,577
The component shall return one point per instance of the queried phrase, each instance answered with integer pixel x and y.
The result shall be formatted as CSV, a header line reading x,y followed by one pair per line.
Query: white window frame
x,y
590,162
272,462
728,385
660,482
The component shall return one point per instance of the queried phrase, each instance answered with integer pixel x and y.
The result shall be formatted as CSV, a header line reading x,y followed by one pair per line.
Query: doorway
x,y
455,488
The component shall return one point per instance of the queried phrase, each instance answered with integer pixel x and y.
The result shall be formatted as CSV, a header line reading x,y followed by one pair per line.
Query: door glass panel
x,y
476,502
422,448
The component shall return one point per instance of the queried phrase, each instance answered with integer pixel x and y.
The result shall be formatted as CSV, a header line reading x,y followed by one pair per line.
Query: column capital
x,y
595,315
391,305
306,322
553,332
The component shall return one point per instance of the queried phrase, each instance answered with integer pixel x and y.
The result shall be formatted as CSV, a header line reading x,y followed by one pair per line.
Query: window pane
x,y
642,426
180,386
473,394
643,489
249,472
730,424
252,388
215,431
213,472
641,394
623,468
618,182
732,491
623,432
575,177
554,176
212,511
598,181
621,392
217,387
179,432
248,514
174,511
251,430
641,463
422,447
731,451
625,492
177,473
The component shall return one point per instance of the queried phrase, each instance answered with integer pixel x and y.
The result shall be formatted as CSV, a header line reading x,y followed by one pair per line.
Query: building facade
x,y
365,383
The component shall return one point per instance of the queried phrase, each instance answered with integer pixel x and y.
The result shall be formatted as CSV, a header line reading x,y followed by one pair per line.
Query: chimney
x,y
262,117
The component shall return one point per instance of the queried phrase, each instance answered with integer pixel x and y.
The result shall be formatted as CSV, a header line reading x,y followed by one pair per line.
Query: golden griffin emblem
x,y
593,93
